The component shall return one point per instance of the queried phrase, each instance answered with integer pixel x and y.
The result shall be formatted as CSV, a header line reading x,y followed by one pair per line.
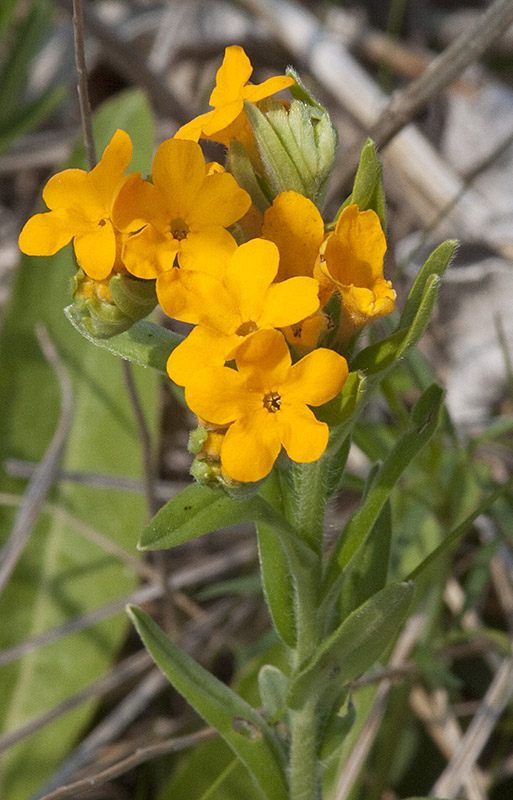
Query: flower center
x,y
179,229
246,328
272,402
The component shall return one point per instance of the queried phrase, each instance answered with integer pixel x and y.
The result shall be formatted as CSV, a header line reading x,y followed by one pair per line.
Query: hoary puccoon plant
x,y
274,368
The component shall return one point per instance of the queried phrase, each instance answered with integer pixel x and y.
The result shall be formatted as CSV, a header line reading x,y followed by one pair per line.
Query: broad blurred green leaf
x,y
61,575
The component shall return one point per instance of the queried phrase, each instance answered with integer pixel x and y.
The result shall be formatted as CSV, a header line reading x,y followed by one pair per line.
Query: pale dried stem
x,y
83,92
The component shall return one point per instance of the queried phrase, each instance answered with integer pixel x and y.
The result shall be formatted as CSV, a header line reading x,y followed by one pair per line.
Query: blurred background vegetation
x,y
78,695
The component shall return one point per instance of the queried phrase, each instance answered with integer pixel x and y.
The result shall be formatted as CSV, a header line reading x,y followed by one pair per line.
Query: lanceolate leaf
x,y
425,421
356,644
244,730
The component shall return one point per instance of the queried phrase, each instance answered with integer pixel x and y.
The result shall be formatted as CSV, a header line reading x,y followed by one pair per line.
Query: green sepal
x,y
347,401
239,164
273,685
240,725
424,419
133,296
299,91
279,170
144,343
367,190
354,646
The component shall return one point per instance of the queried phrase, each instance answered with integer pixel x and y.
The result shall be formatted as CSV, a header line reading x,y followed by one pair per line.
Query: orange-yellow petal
x,y
250,272
96,251
219,395
251,446
264,358
294,223
289,302
267,88
202,348
231,76
317,378
188,295
178,173
207,250
220,201
148,253
192,130
304,438
72,189
45,234
137,203
355,251
106,177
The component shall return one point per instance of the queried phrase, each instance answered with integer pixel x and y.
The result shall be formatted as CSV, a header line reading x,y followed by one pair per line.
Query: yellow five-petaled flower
x,y
265,403
80,206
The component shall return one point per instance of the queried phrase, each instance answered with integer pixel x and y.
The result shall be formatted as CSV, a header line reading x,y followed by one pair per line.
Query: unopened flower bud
x,y
112,306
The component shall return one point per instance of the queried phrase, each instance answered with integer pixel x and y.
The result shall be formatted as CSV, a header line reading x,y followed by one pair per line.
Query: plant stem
x,y
304,776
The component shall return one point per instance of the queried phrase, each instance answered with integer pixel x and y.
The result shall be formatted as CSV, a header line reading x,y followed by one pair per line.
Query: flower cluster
x,y
251,267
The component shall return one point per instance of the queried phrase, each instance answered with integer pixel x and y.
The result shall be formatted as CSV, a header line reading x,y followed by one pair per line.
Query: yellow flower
x,y
295,225
232,307
183,213
351,261
265,403
227,119
80,206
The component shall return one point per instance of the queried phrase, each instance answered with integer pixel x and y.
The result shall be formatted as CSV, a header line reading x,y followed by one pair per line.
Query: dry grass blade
x,y
139,757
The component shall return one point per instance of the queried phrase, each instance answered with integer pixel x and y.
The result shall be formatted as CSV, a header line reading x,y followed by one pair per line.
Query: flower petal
x,y
222,117
137,203
289,302
96,251
304,438
317,378
355,252
267,88
202,348
251,446
187,295
148,253
294,223
45,234
106,177
72,189
249,274
264,359
178,173
192,130
207,250
219,395
220,202
231,76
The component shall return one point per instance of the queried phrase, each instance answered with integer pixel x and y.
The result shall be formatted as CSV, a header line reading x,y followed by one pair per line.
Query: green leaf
x,y
368,573
243,729
62,575
145,344
424,418
355,645
368,184
436,264
273,684
30,116
454,537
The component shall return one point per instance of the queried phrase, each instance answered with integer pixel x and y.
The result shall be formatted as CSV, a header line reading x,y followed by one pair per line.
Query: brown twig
x,y
83,92
164,490
139,757
404,105
46,471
